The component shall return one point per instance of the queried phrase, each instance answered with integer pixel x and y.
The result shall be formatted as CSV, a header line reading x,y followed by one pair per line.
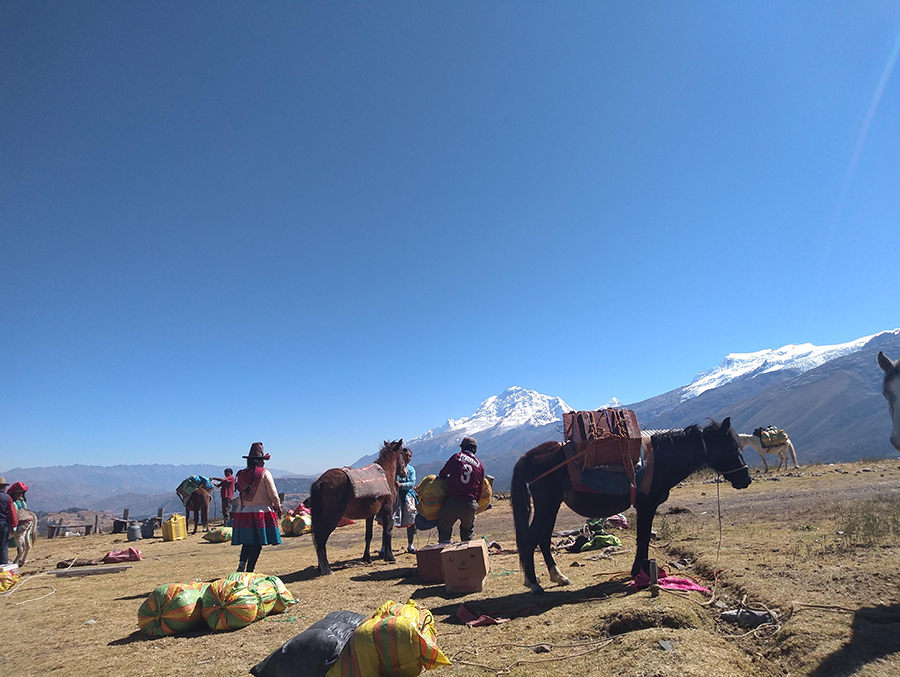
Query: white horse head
x,y
891,392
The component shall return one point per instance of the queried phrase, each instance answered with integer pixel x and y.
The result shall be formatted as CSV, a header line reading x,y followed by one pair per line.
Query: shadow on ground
x,y
875,634
522,604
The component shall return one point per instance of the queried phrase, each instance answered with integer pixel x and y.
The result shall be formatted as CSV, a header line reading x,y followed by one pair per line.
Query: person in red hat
x,y
17,491
256,518
9,520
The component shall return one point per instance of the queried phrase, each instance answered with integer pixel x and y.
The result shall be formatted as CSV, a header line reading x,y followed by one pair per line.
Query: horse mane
x,y
390,451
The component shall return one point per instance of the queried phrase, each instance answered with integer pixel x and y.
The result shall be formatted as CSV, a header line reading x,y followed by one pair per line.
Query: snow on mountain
x,y
797,358
513,408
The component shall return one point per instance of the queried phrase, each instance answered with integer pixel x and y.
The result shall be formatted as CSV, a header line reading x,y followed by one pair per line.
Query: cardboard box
x,y
465,566
428,561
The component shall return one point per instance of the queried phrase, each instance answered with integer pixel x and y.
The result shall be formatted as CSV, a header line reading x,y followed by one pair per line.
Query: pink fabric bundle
x,y
642,580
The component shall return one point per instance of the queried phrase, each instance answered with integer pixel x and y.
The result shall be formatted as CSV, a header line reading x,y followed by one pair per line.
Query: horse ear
x,y
885,362
386,443
726,424
400,443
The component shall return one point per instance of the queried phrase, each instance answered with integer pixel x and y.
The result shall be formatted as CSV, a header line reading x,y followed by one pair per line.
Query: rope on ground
x,y
23,580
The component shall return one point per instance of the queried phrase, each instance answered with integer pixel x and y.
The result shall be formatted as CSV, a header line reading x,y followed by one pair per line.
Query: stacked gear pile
x,y
397,639
226,604
313,651
771,436
191,484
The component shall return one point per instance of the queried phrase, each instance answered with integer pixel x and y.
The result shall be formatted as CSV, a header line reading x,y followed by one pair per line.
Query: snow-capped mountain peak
x,y
796,357
513,408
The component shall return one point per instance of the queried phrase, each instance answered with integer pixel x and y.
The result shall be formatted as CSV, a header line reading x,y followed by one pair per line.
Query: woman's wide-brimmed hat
x,y
17,486
256,451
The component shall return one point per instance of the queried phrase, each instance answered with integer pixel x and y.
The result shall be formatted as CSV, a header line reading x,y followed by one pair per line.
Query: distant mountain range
x,y
828,398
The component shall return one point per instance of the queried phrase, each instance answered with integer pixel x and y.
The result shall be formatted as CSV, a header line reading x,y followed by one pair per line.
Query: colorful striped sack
x,y
283,596
197,585
218,535
229,605
398,640
264,588
170,609
287,525
302,524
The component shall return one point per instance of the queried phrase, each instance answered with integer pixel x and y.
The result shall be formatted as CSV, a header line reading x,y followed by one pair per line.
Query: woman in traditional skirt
x,y
256,518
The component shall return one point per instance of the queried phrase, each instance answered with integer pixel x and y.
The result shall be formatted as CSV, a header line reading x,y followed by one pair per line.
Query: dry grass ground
x,y
836,594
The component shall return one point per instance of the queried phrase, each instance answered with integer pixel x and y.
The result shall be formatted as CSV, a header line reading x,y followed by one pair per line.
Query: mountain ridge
x,y
827,397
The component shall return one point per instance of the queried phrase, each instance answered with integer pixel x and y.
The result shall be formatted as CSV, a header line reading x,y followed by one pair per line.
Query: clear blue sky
x,y
322,225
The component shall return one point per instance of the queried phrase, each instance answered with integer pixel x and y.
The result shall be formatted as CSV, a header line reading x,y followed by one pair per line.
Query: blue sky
x,y
323,225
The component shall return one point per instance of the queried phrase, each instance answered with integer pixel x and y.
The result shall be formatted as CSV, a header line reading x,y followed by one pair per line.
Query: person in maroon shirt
x,y
227,492
465,478
9,520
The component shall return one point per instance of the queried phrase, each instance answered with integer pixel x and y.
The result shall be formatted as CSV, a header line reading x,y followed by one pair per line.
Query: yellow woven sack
x,y
397,640
432,491
302,524
8,579
229,605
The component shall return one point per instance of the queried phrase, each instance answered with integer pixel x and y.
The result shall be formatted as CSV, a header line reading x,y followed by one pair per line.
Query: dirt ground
x,y
819,547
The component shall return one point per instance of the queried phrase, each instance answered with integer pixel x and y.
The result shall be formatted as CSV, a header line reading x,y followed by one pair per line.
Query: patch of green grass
x,y
871,521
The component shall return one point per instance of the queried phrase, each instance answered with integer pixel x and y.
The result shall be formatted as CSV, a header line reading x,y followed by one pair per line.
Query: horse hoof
x,y
390,559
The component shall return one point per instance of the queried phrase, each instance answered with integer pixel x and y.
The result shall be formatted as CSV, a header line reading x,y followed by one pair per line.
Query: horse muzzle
x,y
739,477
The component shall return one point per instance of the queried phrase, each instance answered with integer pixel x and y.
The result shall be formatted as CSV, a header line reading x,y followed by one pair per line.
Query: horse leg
x,y
387,533
762,454
646,509
367,557
325,519
546,508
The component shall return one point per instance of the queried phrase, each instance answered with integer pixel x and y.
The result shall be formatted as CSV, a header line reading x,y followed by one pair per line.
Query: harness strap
x,y
560,465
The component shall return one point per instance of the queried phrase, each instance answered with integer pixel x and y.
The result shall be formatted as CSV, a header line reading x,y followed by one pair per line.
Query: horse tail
x,y
520,497
790,446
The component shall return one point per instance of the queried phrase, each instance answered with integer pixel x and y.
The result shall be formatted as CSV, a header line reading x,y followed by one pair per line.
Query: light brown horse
x,y
331,497
198,503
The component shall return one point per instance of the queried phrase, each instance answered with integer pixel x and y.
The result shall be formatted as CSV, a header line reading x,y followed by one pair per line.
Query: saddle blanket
x,y
368,482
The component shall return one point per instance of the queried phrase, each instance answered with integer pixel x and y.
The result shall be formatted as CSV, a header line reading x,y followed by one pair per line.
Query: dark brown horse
x,y
198,503
676,455
331,497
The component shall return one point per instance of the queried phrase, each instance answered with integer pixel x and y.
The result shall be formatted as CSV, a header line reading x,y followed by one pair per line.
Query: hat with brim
x,y
256,451
3,482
